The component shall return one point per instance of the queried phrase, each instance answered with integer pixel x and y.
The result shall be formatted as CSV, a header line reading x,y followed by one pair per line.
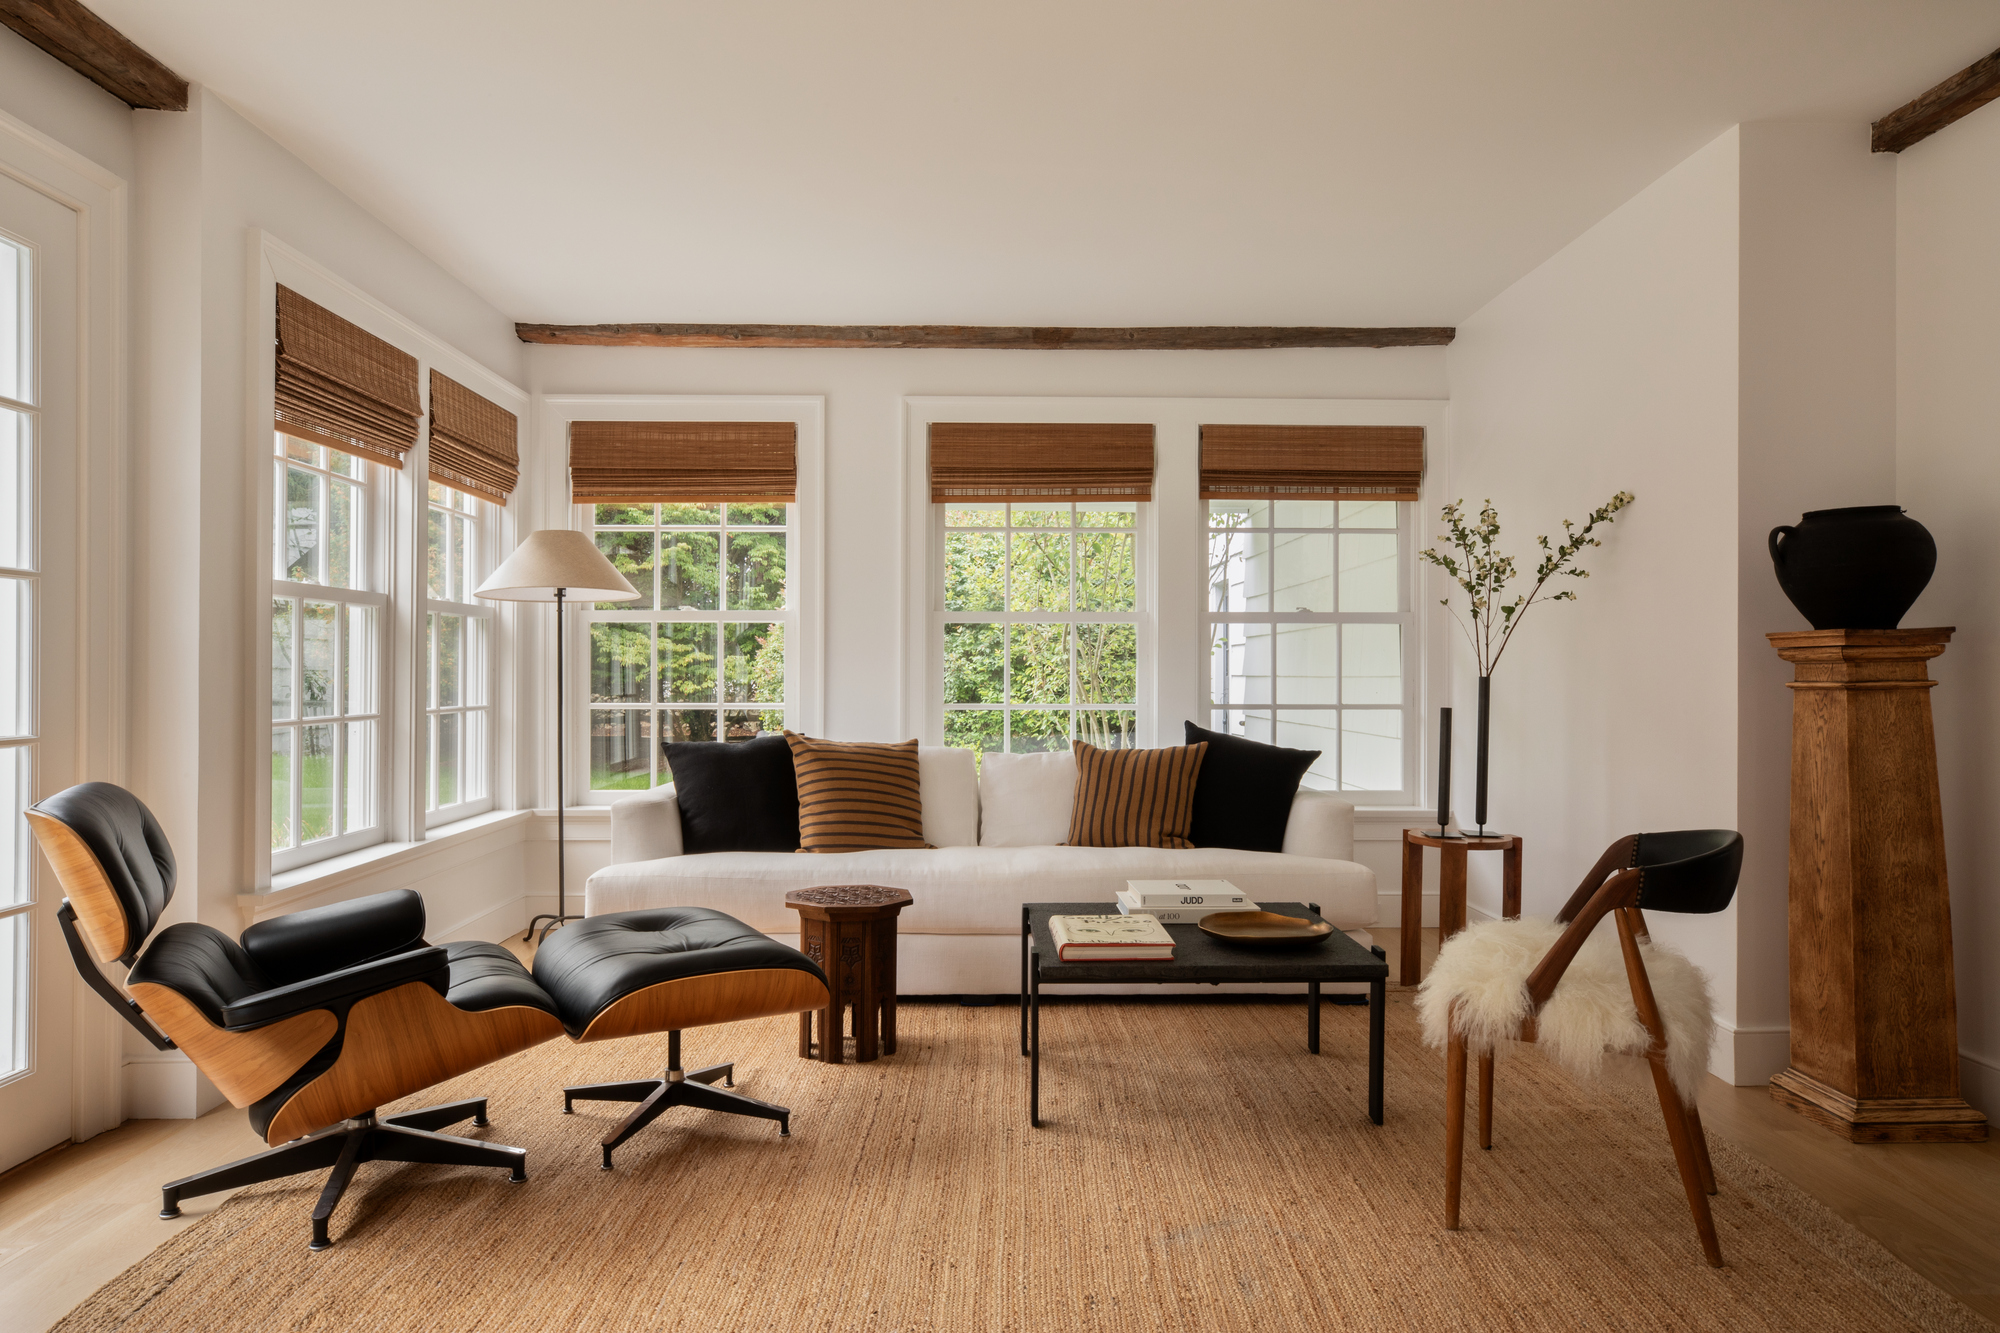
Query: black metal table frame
x,y
1260,970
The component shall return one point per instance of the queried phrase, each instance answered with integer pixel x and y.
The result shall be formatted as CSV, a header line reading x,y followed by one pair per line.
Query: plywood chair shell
x,y
399,1042
99,914
244,1066
720,997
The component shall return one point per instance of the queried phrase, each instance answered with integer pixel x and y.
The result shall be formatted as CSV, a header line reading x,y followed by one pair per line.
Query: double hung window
x,y
328,609
700,654
458,634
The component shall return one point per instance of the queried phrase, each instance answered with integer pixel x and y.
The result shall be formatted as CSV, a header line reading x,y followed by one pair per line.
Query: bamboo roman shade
x,y
1312,462
981,461
341,386
683,462
473,442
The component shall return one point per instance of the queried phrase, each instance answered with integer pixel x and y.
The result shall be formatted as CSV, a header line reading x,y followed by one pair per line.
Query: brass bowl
x,y
1263,928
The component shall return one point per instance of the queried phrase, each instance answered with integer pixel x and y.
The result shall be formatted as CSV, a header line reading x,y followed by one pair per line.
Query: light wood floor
x,y
75,1217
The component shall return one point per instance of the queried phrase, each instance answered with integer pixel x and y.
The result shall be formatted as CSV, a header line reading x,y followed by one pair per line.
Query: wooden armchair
x,y
1505,980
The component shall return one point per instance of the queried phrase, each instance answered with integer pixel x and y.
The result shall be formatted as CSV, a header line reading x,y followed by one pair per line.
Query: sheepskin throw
x,y
1484,971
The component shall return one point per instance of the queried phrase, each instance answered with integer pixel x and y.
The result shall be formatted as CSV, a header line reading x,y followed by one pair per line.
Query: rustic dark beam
x,y
1960,95
981,337
98,51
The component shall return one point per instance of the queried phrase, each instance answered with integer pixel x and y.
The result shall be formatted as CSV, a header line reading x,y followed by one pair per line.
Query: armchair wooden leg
x,y
1454,1126
1678,1131
1486,1101
1700,1137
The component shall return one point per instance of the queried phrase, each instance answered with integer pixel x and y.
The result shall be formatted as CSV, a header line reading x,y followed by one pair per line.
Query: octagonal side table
x,y
850,931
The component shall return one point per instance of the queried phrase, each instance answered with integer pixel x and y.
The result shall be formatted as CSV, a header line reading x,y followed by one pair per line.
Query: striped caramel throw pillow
x,y
855,796
1133,798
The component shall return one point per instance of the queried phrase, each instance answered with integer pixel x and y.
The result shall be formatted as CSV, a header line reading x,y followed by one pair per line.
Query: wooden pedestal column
x,y
1874,1007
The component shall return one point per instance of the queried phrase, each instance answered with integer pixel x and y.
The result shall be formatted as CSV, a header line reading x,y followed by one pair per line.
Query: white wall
x,y
1721,346
1613,367
52,97
1948,476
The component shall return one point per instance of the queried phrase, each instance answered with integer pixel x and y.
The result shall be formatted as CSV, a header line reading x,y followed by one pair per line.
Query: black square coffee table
x,y
1200,956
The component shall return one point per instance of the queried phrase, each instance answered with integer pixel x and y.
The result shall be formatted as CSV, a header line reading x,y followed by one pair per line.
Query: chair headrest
x,y
120,899
1688,870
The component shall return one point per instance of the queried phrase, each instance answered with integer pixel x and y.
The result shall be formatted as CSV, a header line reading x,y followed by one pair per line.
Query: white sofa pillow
x,y
948,782
1025,799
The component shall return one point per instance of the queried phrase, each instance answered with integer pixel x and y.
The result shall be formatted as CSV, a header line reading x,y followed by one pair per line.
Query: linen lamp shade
x,y
556,559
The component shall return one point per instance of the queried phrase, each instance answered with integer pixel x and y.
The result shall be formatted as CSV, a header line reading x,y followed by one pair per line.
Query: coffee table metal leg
x,y
1312,1017
1034,1048
1376,1015
1024,981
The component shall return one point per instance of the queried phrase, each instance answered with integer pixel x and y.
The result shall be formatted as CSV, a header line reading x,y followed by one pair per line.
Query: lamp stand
x,y
562,912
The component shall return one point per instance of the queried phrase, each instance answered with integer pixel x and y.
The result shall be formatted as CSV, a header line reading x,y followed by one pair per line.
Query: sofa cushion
x,y
737,797
857,795
1133,798
1025,799
949,778
1243,795
973,890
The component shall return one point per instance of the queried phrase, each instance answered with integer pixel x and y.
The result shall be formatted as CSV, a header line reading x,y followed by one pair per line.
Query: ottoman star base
x,y
674,1088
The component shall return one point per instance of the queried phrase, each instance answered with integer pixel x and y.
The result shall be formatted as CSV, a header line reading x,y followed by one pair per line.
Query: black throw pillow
x,y
1243,794
738,797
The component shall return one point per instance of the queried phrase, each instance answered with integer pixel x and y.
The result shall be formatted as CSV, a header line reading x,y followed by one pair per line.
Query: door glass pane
x,y
1308,659
316,782
16,681
281,658
687,664
689,571
281,788
316,681
358,776
1302,572
1038,579
17,792
1371,749
974,668
16,481
754,663
620,663
757,571
631,554
973,570
1367,572
1371,665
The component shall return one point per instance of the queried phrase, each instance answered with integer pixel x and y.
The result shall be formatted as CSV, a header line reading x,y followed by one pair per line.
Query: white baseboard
x,y
1748,1057
492,925
163,1085
1389,908
1979,1083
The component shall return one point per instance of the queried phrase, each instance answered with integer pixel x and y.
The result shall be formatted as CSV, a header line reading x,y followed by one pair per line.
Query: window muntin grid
x,y
700,655
458,636
1311,635
20,570
1038,634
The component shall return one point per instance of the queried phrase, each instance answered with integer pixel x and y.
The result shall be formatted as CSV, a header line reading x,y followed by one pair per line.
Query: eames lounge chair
x,y
1550,981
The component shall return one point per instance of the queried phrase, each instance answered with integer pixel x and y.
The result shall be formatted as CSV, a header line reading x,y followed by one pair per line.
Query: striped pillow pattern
x,y
855,796
1133,798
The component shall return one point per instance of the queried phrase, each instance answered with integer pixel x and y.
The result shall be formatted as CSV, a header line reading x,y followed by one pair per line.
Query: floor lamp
x,y
555,565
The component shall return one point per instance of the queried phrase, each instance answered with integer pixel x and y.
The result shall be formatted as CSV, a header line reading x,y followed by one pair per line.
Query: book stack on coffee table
x,y
1100,939
1182,900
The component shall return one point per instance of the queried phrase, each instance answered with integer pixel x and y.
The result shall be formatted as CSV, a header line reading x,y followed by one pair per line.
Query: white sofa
x,y
962,933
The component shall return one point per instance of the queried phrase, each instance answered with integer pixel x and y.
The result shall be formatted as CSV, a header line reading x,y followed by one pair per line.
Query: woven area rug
x,y
1198,1170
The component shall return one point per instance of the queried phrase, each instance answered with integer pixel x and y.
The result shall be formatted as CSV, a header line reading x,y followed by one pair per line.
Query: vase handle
x,y
1774,543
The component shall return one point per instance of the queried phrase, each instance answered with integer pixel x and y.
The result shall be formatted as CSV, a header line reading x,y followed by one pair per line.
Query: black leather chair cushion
x,y
591,964
486,976
202,965
318,940
128,842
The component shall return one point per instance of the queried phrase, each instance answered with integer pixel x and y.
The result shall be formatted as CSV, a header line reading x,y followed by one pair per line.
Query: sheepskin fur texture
x,y
1483,970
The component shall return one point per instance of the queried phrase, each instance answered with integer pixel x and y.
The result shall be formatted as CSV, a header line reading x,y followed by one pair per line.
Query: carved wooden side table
x,y
850,931
1451,888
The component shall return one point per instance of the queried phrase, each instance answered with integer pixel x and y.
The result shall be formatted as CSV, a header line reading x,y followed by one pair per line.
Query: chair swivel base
x,y
676,1088
408,1136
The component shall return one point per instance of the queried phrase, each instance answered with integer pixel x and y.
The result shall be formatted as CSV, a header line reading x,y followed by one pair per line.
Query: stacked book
x,y
1099,939
1179,900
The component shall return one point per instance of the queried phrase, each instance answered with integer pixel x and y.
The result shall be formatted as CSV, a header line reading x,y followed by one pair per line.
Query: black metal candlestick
x,y
1479,795
1444,772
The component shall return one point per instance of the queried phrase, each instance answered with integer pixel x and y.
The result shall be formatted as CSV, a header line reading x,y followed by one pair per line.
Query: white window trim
x,y
804,660
1173,545
404,513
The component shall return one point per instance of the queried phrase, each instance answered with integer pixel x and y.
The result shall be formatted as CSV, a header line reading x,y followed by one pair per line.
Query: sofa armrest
x,y
1322,825
646,828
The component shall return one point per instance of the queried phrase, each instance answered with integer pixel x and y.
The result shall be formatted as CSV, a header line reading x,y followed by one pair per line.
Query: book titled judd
x,y
1216,893
1129,904
1096,939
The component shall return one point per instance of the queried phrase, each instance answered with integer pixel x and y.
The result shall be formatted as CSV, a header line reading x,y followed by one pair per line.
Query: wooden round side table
x,y
850,931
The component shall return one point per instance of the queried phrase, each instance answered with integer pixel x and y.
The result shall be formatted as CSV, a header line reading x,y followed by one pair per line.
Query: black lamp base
x,y
556,921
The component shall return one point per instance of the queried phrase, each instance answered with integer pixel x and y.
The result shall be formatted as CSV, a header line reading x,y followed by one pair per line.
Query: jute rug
x,y
1198,1171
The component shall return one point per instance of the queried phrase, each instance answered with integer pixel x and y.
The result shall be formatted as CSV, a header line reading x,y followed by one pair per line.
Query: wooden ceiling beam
x,y
1960,95
1031,338
98,51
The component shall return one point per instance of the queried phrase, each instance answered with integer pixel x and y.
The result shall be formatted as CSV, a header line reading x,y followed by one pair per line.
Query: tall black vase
x,y
1479,799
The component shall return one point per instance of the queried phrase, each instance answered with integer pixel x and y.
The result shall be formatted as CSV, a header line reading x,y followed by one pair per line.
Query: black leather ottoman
x,y
661,970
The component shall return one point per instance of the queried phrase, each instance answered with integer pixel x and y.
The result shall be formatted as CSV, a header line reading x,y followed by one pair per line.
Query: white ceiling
x,y
1032,161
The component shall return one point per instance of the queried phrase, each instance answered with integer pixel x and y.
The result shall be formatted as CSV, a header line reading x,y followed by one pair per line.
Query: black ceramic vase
x,y
1854,568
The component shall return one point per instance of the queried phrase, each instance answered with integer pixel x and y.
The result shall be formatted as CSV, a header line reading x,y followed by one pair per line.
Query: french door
x,y
39,418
